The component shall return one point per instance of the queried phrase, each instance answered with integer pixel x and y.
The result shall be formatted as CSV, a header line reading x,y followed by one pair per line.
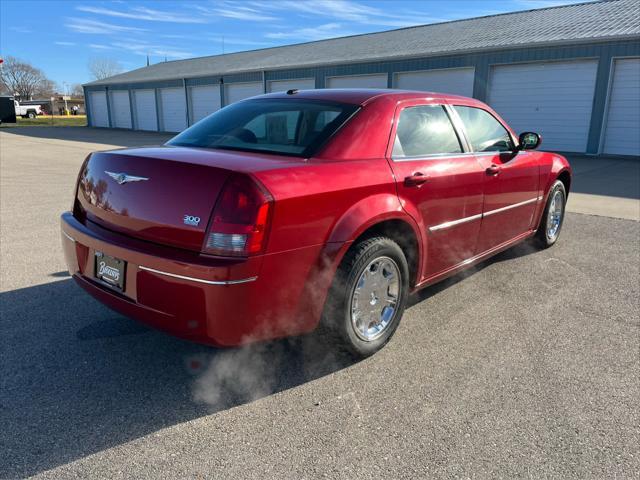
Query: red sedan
x,y
290,210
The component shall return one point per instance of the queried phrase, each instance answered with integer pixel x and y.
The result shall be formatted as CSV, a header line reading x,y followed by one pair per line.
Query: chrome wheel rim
x,y
554,216
374,298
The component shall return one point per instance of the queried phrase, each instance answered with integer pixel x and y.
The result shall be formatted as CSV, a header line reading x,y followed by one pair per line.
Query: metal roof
x,y
583,22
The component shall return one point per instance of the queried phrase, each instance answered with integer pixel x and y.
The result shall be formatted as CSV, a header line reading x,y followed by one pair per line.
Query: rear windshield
x,y
282,126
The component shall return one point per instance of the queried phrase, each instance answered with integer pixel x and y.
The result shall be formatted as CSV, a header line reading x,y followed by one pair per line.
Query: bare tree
x,y
45,89
77,90
101,68
23,79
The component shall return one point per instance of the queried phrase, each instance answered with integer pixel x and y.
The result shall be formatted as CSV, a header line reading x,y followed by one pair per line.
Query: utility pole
x,y
65,87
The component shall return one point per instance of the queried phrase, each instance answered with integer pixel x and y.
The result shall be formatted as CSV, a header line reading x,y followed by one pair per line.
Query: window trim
x,y
463,129
462,140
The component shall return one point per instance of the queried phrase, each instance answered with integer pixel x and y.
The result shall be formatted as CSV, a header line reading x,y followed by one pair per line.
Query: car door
x,y
438,182
510,179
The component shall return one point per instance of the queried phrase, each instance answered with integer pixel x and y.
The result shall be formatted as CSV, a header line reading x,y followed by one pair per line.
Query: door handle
x,y
415,180
493,169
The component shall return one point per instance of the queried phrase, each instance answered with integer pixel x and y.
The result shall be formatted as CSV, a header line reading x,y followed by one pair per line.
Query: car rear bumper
x,y
206,299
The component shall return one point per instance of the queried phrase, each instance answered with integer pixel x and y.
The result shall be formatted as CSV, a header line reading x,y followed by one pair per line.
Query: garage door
x,y
204,101
174,109
145,109
234,92
358,81
284,85
120,109
622,132
458,81
553,99
99,112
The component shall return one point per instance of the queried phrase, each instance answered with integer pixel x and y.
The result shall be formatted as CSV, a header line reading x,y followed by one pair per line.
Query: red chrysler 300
x,y
289,210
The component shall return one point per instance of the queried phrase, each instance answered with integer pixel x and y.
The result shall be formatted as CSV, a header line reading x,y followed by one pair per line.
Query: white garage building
x,y
571,73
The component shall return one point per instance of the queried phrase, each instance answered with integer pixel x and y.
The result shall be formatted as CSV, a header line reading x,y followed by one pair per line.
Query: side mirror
x,y
529,141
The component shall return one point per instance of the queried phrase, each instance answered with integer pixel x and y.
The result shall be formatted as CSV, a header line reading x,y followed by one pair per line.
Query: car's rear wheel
x,y
553,216
31,115
368,296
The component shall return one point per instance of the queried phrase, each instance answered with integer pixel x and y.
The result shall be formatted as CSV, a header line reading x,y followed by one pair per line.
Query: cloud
x,y
345,10
238,12
149,49
143,13
85,25
97,46
65,44
179,36
321,32
21,29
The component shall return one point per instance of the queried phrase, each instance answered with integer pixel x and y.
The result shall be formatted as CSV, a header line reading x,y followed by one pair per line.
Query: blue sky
x,y
61,36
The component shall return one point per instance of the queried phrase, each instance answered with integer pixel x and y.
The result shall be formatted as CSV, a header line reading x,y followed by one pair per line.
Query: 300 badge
x,y
191,220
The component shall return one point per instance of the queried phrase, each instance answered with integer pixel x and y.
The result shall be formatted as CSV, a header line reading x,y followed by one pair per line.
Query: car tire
x,y
31,115
368,296
553,216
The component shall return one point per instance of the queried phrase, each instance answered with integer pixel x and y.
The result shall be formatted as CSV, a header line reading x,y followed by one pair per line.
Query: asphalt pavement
x,y
526,367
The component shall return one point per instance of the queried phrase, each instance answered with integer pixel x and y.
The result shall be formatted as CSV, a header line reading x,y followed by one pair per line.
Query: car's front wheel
x,y
553,216
368,296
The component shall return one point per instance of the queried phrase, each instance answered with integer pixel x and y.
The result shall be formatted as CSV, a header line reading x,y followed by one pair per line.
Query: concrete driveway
x,y
526,367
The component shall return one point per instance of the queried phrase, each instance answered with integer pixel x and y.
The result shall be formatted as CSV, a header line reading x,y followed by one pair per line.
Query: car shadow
x,y
78,379
106,136
518,251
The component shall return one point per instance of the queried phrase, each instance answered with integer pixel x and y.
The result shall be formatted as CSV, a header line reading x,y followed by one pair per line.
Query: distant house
x,y
58,104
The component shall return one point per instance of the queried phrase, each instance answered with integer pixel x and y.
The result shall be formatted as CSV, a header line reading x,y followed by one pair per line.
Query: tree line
x,y
23,80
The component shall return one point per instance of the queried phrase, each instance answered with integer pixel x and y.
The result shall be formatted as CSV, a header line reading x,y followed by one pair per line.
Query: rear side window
x,y
282,126
484,132
425,130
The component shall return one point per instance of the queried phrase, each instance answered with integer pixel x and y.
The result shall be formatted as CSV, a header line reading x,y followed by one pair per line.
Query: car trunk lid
x,y
164,200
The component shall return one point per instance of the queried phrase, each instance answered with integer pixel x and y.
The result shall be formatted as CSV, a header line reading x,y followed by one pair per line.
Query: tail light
x,y
79,212
240,219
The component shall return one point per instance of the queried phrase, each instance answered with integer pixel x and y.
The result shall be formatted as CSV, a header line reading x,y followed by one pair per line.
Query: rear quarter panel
x,y
320,208
321,201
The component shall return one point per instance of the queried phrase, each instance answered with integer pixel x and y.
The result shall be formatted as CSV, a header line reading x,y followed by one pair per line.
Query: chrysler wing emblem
x,y
124,178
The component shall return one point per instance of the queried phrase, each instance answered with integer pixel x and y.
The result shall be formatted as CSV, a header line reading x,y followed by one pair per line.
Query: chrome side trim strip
x,y
198,280
453,223
69,237
440,156
509,207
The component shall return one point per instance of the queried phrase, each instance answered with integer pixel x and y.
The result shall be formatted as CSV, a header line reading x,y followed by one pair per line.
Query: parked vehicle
x,y
7,110
27,111
286,211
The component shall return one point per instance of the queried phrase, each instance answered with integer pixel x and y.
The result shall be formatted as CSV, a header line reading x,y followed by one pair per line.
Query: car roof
x,y
361,96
